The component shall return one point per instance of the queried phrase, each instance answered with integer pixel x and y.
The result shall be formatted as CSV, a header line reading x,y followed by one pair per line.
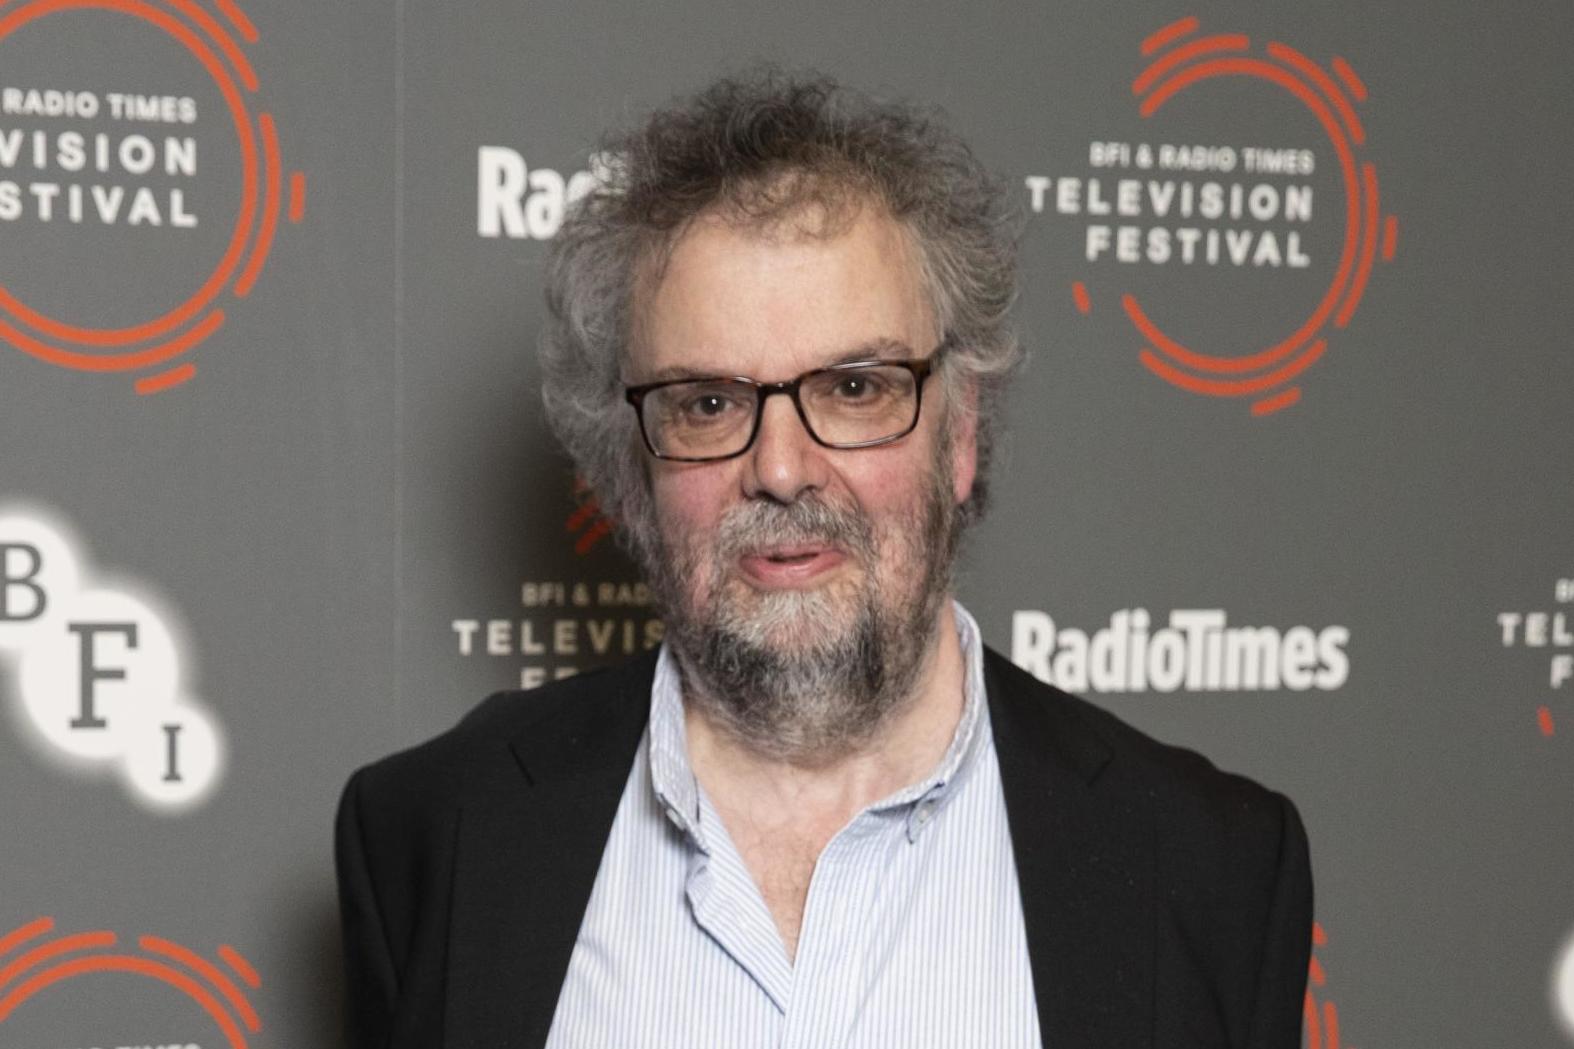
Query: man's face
x,y
809,577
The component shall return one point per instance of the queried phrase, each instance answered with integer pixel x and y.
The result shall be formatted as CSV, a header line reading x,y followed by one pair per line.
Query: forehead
x,y
770,302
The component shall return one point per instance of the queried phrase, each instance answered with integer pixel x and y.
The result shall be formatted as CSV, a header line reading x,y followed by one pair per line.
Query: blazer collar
x,y
1082,834
528,850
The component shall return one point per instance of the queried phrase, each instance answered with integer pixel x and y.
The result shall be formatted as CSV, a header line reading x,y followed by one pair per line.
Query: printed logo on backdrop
x,y
521,202
92,989
1320,1017
141,186
1193,649
1563,988
96,669
1550,632
567,623
1234,221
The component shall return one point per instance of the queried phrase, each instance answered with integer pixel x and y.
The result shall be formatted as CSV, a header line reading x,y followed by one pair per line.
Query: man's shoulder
x,y
1191,794
575,715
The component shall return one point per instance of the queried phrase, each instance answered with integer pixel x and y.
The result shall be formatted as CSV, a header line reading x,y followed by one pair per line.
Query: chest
x,y
781,861
891,941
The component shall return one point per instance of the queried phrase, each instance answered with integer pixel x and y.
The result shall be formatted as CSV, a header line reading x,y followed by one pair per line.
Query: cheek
x,y
893,482
895,506
689,502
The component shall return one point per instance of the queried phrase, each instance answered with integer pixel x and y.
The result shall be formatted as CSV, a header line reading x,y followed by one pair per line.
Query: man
x,y
823,813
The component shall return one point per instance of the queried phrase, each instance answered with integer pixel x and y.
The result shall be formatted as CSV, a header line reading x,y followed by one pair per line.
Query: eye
x,y
707,404
710,405
857,387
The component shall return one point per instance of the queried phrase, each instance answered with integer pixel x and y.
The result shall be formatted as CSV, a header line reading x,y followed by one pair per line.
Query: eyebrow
x,y
873,350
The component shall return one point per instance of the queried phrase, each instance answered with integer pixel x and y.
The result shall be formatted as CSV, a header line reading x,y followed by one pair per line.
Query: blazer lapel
x,y
528,851
1083,840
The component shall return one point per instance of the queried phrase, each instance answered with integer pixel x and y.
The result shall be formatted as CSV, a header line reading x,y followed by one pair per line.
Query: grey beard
x,y
788,677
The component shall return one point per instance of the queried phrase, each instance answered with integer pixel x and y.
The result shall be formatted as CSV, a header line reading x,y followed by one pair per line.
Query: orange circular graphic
x,y
150,344
1178,60
31,962
1319,1020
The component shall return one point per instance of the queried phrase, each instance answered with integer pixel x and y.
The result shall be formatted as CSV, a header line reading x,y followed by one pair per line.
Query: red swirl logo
x,y
1320,1019
1179,62
586,523
154,347
36,963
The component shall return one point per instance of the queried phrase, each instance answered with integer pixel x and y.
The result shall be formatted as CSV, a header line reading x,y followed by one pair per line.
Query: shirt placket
x,y
728,906
857,874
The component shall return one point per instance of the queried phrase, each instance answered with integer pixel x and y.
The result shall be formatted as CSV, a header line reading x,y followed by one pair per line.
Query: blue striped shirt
x,y
912,932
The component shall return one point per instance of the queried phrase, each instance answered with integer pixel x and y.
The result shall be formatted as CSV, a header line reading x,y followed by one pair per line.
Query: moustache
x,y
753,526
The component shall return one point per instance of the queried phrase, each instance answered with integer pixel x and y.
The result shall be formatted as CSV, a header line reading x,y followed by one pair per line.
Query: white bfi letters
x,y
97,670
1563,987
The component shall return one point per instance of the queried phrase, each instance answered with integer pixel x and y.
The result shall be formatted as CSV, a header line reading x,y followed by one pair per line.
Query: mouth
x,y
790,566
791,553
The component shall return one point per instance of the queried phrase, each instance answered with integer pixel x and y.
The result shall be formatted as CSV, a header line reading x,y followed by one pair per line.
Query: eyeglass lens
x,y
843,406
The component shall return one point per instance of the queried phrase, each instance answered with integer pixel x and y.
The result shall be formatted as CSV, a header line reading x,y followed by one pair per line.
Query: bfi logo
x,y
97,670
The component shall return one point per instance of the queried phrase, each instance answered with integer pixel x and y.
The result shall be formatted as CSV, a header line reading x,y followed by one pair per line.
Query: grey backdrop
x,y
357,480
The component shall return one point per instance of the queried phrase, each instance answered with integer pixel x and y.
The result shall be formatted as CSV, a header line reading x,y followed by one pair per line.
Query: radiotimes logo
x,y
1207,220
517,201
77,989
141,187
1199,650
96,669
1550,631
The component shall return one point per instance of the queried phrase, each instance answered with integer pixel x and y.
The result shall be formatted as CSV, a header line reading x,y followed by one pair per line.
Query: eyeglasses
x,y
856,405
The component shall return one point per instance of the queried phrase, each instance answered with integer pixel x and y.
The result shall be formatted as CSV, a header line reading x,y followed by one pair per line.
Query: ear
x,y
964,440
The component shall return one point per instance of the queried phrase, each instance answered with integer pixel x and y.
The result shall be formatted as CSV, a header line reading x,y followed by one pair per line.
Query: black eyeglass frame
x,y
921,368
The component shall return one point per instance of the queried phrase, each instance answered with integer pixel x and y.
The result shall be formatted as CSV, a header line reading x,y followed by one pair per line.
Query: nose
x,y
785,462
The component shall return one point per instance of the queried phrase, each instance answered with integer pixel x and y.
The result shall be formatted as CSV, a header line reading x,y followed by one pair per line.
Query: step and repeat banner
x,y
1289,476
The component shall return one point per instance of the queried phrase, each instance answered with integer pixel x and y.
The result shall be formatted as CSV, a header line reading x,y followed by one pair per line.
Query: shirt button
x,y
925,811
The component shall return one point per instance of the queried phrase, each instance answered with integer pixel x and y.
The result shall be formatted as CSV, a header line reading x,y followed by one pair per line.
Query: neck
x,y
821,790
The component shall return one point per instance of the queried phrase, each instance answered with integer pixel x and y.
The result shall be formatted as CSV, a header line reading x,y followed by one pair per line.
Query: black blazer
x,y
1167,905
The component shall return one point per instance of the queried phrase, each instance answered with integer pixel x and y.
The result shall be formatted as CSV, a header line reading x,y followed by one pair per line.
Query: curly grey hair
x,y
756,149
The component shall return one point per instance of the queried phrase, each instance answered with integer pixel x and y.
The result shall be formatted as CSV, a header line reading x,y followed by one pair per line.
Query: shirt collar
x,y
677,789
670,773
